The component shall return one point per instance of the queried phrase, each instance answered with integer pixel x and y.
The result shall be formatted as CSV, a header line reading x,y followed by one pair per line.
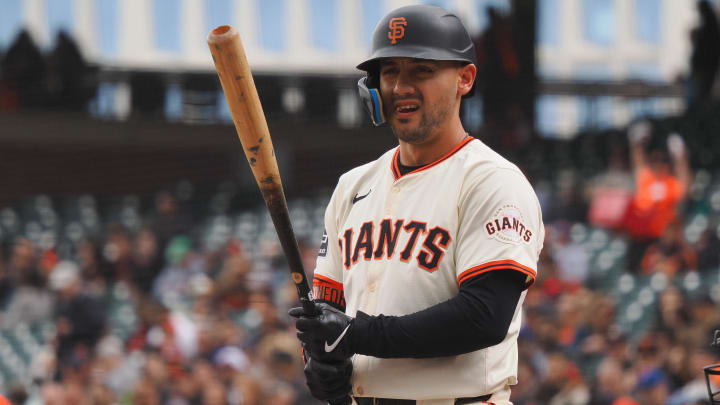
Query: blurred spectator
x,y
22,267
653,387
563,384
670,254
567,203
80,319
88,258
177,280
24,75
612,385
673,314
17,394
117,254
610,192
524,393
708,248
705,57
172,334
70,84
146,259
572,259
230,288
695,390
661,185
30,300
167,219
54,394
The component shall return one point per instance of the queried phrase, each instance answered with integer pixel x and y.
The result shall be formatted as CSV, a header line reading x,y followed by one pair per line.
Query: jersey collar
x,y
395,160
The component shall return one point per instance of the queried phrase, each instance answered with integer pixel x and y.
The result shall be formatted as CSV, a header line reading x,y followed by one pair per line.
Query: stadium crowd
x,y
150,303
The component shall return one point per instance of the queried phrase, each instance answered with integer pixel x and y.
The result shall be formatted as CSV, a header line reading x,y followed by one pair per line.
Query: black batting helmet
x,y
423,32
417,31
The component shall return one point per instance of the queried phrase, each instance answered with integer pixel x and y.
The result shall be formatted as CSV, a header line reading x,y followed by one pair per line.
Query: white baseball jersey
x,y
398,244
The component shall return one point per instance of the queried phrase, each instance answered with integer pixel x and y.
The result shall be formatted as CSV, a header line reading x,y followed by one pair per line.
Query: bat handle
x,y
308,306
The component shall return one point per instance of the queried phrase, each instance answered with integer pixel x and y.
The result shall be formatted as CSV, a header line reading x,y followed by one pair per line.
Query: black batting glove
x,y
325,335
329,382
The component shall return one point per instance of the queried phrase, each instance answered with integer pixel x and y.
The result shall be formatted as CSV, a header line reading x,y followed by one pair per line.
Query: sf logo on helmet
x,y
397,29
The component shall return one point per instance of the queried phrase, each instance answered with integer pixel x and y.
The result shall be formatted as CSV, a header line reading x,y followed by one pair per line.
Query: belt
x,y
390,401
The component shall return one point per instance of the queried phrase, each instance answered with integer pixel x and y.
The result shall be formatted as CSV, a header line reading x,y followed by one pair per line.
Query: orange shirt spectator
x,y
654,205
660,184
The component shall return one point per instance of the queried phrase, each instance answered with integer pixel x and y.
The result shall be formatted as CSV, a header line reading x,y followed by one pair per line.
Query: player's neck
x,y
432,150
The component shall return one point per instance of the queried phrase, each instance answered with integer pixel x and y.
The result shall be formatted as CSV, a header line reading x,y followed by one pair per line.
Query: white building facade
x,y
588,40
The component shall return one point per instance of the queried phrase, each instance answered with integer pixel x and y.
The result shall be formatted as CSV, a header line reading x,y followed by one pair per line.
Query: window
x,y
598,21
218,12
546,117
173,102
349,109
372,12
647,21
273,31
324,24
166,18
107,11
548,22
10,22
111,101
643,107
644,71
594,112
60,16
223,109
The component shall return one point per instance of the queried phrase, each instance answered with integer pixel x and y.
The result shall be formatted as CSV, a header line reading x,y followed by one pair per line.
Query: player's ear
x,y
466,78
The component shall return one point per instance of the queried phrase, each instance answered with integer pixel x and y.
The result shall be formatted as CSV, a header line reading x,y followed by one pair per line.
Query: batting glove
x,y
329,381
326,335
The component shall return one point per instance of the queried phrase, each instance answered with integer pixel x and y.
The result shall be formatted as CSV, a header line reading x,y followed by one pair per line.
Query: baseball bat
x,y
247,114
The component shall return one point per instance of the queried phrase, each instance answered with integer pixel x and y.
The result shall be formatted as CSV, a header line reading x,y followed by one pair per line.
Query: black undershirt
x,y
478,317
407,169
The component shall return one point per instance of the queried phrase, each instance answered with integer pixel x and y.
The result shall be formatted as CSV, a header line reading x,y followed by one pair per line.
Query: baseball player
x,y
428,250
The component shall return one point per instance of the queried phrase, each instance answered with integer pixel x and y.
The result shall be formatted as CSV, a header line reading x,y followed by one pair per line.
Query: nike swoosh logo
x,y
360,197
329,348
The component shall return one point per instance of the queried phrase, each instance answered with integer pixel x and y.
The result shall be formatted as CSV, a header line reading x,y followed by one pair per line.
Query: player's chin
x,y
403,120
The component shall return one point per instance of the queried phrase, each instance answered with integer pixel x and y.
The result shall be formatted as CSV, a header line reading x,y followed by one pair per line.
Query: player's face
x,y
419,96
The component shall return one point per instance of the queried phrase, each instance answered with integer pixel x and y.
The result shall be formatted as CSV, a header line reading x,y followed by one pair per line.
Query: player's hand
x,y
326,335
329,381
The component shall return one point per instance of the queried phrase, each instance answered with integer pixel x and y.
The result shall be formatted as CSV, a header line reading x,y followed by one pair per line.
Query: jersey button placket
x,y
390,199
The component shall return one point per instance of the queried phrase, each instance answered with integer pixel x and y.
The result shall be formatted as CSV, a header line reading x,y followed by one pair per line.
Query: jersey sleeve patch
x,y
497,265
329,291
508,225
322,252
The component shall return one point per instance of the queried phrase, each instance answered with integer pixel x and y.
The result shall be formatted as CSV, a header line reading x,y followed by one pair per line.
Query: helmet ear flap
x,y
369,91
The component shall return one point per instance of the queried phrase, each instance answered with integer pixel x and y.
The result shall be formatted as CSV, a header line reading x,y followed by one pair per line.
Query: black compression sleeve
x,y
478,317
